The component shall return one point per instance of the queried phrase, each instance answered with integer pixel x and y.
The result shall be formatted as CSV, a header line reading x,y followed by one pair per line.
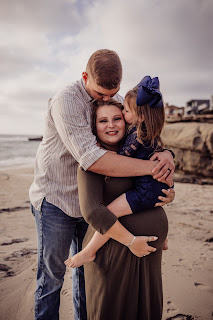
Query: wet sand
x,y
187,265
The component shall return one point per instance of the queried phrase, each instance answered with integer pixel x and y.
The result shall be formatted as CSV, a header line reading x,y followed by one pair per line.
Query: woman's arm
x,y
90,190
90,187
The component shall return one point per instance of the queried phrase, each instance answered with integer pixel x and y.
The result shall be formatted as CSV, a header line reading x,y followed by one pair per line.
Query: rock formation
x,y
192,143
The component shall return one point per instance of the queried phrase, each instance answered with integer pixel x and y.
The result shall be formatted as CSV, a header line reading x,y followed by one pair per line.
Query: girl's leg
x,y
119,207
88,254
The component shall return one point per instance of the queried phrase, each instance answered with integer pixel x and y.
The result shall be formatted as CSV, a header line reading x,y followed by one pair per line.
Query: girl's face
x,y
128,113
110,125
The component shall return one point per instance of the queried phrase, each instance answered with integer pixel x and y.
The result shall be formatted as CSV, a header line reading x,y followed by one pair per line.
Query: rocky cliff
x,y
192,143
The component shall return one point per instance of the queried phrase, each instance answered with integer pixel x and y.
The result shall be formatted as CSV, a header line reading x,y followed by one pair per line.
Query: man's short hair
x,y
105,68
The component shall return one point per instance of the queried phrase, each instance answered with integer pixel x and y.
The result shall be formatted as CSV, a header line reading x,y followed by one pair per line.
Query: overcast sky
x,y
45,44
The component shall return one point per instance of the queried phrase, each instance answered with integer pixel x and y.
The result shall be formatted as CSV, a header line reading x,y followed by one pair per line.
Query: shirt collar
x,y
87,96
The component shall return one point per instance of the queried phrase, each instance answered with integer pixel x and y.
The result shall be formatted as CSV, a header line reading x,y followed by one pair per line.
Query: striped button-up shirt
x,y
67,141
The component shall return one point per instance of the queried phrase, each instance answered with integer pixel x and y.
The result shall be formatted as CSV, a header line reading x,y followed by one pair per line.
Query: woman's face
x,y
110,124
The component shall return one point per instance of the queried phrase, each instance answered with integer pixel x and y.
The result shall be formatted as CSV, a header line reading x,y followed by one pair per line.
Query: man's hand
x,y
165,168
170,195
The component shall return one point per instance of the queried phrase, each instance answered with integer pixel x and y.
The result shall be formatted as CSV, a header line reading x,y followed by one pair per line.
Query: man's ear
x,y
84,76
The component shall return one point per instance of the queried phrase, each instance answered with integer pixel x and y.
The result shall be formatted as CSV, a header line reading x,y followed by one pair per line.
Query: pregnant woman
x,y
120,285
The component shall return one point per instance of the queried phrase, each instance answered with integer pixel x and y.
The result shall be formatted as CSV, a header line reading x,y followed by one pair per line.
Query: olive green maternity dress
x,y
119,285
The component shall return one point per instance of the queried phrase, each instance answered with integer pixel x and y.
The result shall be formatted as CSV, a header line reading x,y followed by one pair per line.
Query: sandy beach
x,y
187,265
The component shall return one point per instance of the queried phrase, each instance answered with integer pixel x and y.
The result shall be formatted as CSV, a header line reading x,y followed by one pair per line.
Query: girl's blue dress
x,y
146,190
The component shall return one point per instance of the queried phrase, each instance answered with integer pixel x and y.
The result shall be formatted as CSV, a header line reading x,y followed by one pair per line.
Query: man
x,y
67,142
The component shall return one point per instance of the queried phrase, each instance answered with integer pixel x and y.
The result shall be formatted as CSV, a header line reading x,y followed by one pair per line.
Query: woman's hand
x,y
170,195
165,168
140,246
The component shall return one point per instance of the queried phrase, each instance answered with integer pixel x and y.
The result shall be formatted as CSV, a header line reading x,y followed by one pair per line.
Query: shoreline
x,y
187,265
17,165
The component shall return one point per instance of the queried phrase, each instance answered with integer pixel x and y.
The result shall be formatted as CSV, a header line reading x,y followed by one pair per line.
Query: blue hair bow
x,y
148,92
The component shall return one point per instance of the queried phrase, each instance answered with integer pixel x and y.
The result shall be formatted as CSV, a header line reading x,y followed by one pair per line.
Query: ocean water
x,y
17,150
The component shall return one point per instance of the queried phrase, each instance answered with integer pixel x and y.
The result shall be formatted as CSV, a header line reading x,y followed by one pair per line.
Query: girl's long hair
x,y
149,129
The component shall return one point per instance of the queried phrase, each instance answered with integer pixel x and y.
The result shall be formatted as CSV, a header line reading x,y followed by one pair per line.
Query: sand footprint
x,y
20,253
177,267
65,292
181,316
7,270
209,239
17,240
171,308
203,286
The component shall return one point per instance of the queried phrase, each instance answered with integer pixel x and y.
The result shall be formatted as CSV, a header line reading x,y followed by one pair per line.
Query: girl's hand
x,y
165,168
140,246
169,182
170,195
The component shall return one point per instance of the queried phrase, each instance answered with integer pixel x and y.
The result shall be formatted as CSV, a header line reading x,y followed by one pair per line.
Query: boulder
x,y
192,143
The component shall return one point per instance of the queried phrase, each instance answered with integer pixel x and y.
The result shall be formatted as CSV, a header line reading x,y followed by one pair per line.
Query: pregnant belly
x,y
152,222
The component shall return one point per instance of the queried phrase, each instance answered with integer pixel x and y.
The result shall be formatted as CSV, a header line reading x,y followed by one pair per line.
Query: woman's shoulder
x,y
89,178
92,176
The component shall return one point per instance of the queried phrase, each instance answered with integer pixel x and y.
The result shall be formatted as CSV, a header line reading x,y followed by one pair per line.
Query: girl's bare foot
x,y
165,245
79,259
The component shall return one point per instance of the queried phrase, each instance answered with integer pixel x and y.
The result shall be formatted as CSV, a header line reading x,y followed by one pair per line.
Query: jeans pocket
x,y
32,209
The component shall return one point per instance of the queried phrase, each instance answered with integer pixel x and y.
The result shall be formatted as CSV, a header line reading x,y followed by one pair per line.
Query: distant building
x,y
172,111
198,106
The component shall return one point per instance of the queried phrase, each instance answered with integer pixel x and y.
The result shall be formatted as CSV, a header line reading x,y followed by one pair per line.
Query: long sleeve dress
x,y
119,285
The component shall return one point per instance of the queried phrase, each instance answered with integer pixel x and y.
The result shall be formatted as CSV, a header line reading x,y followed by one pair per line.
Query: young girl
x,y
144,112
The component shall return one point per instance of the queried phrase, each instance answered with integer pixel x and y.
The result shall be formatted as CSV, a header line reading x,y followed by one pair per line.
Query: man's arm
x,y
74,129
115,165
120,166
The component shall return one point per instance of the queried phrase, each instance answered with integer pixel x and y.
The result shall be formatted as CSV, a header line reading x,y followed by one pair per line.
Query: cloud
x,y
51,17
46,44
170,39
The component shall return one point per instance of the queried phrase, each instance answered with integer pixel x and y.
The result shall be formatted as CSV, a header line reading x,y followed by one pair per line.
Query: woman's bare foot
x,y
79,259
165,245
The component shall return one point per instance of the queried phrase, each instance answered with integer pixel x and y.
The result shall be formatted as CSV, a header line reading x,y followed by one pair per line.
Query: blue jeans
x,y
57,232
